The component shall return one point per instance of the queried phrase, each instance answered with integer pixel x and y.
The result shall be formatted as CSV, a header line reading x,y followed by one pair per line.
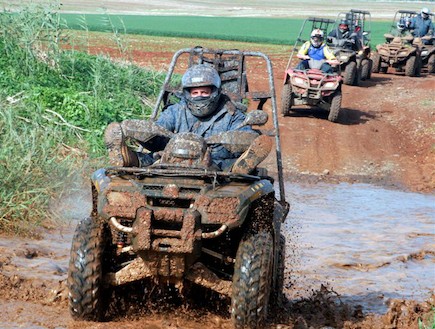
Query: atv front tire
x,y
350,74
335,107
252,280
365,69
411,66
376,63
85,272
431,64
286,99
277,293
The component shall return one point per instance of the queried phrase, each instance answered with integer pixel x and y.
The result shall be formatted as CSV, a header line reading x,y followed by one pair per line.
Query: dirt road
x,y
386,133
386,137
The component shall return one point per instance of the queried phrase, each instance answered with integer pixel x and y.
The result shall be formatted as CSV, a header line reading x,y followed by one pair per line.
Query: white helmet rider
x,y
317,38
425,13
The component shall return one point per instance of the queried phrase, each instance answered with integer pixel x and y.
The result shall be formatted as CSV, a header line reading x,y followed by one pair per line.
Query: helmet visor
x,y
316,40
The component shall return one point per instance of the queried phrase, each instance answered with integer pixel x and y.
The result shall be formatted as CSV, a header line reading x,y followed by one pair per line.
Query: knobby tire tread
x,y
350,74
85,272
286,99
334,110
252,280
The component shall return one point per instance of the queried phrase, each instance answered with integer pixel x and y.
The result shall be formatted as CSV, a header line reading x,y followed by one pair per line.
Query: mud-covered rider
x,y
203,110
422,26
343,36
316,49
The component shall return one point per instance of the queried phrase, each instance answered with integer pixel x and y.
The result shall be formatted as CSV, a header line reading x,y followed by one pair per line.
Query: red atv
x,y
312,87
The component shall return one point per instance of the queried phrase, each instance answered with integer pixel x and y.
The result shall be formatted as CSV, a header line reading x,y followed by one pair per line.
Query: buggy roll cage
x,y
357,18
231,66
400,14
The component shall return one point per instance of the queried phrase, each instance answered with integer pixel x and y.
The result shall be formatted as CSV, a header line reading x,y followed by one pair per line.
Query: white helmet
x,y
425,12
317,38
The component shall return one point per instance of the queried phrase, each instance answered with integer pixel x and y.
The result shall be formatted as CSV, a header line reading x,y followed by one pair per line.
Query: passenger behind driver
x,y
318,50
403,28
202,110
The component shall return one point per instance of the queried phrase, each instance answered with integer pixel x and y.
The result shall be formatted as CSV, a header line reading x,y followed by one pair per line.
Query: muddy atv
x,y
181,222
348,60
399,52
350,51
311,87
427,46
360,25
427,54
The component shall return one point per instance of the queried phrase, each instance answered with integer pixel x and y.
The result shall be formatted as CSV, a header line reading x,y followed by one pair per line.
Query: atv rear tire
x,y
334,110
286,99
252,280
85,272
411,66
431,64
376,63
365,69
350,73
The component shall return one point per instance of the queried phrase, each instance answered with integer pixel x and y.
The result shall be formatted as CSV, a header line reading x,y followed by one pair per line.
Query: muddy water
x,y
368,243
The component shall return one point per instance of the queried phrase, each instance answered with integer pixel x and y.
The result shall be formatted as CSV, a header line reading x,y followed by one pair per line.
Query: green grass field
x,y
282,31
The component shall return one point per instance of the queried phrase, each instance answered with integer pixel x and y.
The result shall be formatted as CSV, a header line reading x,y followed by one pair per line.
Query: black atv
x,y
181,221
360,26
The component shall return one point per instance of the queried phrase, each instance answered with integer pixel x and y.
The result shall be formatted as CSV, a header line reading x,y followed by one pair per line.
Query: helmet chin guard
x,y
202,75
202,106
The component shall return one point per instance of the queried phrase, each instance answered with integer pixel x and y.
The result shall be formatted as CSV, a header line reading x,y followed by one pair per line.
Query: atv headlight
x,y
300,82
424,53
343,58
402,53
329,85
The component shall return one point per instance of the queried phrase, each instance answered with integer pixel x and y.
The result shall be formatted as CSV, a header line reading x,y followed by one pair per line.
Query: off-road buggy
x,y
180,222
398,52
360,26
311,87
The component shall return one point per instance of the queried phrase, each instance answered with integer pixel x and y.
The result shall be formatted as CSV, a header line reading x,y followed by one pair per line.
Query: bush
x,y
53,100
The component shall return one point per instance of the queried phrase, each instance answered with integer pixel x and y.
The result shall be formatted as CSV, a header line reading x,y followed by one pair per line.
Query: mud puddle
x,y
368,243
349,247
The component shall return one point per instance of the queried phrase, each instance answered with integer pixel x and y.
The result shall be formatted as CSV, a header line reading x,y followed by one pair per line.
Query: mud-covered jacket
x,y
177,118
421,26
319,53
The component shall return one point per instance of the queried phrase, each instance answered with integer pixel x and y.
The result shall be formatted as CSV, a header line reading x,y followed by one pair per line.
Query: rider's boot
x,y
253,156
119,153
